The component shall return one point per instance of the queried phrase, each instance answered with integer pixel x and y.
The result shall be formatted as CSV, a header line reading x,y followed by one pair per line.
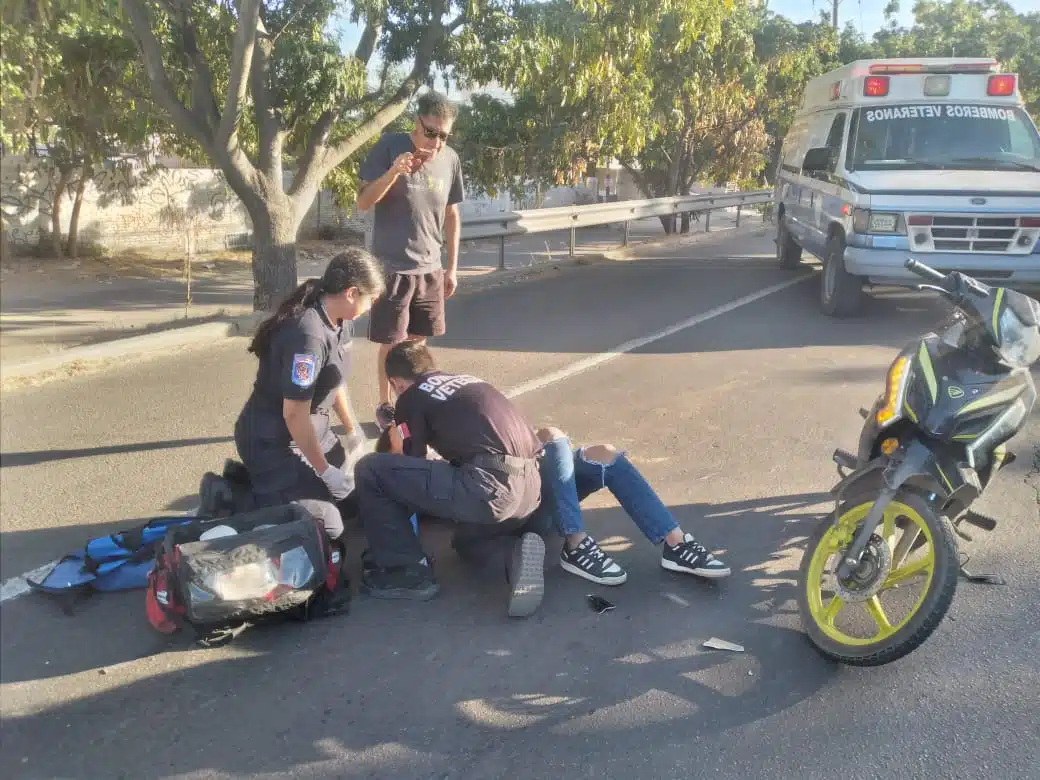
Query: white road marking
x,y
17,586
611,354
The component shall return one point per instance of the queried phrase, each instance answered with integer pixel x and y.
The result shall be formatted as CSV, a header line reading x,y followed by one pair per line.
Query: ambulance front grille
x,y
1006,235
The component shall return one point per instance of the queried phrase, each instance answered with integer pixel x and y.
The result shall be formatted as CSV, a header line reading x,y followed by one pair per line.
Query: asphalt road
x,y
732,418
50,307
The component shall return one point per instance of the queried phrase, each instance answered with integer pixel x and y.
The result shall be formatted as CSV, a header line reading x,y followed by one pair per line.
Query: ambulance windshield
x,y
943,136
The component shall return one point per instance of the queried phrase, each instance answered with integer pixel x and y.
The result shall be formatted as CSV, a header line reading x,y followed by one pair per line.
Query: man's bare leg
x,y
384,383
386,398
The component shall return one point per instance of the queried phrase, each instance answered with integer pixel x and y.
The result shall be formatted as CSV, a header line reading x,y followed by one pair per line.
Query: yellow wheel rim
x,y
838,538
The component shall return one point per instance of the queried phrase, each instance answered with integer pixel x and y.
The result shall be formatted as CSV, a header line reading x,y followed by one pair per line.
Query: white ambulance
x,y
932,157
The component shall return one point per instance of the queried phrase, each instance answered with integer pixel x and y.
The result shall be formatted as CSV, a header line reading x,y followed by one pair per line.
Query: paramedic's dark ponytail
x,y
354,267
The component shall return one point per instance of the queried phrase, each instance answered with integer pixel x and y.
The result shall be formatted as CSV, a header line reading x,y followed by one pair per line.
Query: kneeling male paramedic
x,y
488,477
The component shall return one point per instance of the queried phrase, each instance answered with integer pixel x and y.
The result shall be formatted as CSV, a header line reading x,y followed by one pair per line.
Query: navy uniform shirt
x,y
307,360
460,416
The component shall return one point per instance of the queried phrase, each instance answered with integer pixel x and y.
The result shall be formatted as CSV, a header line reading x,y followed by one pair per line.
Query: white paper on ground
x,y
721,644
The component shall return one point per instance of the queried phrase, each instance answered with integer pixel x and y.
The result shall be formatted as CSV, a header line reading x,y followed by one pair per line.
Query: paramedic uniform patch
x,y
303,370
307,361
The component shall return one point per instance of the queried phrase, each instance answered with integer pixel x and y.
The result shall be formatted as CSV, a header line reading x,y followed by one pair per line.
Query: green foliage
x,y
343,180
72,88
680,93
972,28
513,146
88,93
706,95
259,83
792,55
583,73
679,90
16,86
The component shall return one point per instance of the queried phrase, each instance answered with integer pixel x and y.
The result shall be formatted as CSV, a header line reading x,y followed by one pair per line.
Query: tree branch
x,y
317,143
165,94
241,64
367,45
393,107
639,178
203,101
319,159
456,23
319,137
267,121
237,168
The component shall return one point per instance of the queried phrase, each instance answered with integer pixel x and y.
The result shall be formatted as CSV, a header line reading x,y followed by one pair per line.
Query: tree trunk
x,y
274,253
59,193
5,242
77,206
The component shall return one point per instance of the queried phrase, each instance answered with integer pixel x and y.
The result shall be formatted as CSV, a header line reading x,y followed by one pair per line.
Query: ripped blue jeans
x,y
569,477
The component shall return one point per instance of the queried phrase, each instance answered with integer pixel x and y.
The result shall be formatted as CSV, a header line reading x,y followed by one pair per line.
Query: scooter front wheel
x,y
874,617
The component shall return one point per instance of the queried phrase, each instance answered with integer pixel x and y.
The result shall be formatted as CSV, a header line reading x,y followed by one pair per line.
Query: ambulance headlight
x,y
865,221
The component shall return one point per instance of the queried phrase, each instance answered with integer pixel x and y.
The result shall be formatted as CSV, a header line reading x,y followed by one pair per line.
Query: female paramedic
x,y
283,434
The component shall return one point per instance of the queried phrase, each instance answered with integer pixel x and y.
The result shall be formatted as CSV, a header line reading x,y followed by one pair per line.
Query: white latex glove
x,y
356,445
339,482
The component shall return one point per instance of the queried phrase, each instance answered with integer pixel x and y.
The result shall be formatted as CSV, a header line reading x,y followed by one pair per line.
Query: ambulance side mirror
x,y
818,159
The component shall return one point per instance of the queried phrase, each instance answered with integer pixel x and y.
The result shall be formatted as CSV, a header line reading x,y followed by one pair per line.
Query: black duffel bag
x,y
220,575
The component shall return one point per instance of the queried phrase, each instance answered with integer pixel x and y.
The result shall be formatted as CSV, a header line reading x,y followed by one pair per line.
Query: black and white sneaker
x,y
690,557
589,561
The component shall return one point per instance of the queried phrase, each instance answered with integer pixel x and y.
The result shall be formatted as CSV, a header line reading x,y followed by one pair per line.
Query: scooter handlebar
x,y
955,284
924,271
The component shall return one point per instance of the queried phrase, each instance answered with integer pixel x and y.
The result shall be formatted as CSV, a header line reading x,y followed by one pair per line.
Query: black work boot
x,y
216,498
415,582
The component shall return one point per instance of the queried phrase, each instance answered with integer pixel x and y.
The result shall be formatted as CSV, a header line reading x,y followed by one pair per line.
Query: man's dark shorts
x,y
413,305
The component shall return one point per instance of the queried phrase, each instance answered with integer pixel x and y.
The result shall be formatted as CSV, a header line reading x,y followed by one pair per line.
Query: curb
x,y
118,348
244,325
680,241
232,326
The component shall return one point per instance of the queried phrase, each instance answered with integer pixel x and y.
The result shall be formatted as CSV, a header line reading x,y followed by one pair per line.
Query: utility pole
x,y
834,13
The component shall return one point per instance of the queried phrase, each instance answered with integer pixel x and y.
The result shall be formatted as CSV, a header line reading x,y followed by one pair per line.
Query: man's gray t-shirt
x,y
409,220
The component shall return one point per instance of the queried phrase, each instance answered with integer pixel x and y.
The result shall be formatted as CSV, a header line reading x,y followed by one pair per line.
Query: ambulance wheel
x,y
841,293
788,253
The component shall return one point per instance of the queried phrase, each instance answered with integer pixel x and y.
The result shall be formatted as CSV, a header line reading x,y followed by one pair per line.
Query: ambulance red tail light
x,y
1030,222
875,86
1002,85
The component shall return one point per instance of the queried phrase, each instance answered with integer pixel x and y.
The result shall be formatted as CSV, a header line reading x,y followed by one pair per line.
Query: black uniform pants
x,y
308,490
391,488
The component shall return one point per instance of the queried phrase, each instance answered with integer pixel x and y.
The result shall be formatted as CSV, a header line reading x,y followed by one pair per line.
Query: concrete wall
x,y
127,210
124,210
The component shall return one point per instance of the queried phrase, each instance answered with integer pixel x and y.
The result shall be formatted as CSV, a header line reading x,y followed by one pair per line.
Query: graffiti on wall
x,y
139,208
121,207
26,199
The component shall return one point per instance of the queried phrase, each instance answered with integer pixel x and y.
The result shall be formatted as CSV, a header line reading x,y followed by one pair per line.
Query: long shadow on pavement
x,y
35,457
131,295
110,629
539,316
449,688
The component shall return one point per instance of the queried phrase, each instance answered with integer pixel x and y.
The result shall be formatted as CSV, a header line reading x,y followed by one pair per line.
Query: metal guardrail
x,y
518,223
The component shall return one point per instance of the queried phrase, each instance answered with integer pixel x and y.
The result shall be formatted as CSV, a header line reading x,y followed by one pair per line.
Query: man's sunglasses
x,y
429,132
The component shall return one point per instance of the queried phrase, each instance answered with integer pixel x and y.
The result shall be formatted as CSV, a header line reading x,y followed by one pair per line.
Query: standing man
x,y
414,181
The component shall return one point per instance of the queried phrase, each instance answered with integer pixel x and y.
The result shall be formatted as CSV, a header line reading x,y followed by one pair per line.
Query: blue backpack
x,y
117,562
